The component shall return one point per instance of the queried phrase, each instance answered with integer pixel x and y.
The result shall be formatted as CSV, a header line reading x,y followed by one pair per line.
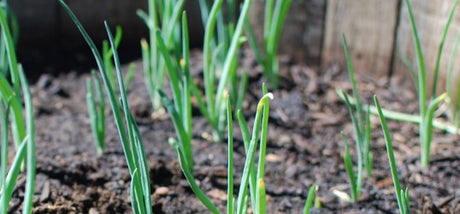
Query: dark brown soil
x,y
304,148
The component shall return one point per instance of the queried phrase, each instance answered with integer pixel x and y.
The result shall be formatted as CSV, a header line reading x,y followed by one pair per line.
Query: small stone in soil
x,y
45,191
160,191
272,158
93,211
218,194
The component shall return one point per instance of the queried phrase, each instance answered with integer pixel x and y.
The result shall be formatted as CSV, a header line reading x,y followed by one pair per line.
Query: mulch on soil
x,y
304,147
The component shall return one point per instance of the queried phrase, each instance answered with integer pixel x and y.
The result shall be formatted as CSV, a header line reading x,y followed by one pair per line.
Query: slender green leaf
x,y
4,113
351,173
186,79
6,91
173,77
110,92
142,187
207,75
31,156
191,180
421,62
391,158
351,73
230,205
246,140
441,45
185,147
310,199
12,176
251,151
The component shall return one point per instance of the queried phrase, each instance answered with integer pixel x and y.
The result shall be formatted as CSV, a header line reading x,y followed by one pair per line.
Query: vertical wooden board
x,y
302,31
369,27
430,17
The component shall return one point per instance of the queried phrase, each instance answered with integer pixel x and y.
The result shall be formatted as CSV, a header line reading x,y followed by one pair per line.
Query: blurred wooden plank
x,y
302,31
430,18
370,29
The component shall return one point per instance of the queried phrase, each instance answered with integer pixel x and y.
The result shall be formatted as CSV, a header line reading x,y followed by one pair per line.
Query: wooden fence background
x,y
378,31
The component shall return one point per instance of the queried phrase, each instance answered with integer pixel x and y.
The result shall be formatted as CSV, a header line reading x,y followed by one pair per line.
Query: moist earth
x,y
304,148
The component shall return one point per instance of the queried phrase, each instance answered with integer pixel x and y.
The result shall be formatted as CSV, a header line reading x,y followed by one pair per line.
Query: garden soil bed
x,y
304,147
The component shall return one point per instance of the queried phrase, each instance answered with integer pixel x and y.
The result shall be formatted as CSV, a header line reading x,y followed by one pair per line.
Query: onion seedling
x,y
9,46
225,25
402,196
212,105
30,130
96,106
310,199
10,181
255,177
275,14
249,174
426,110
454,102
127,128
154,65
18,126
12,92
4,113
251,177
362,127
23,130
25,152
398,116
96,110
179,109
107,55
